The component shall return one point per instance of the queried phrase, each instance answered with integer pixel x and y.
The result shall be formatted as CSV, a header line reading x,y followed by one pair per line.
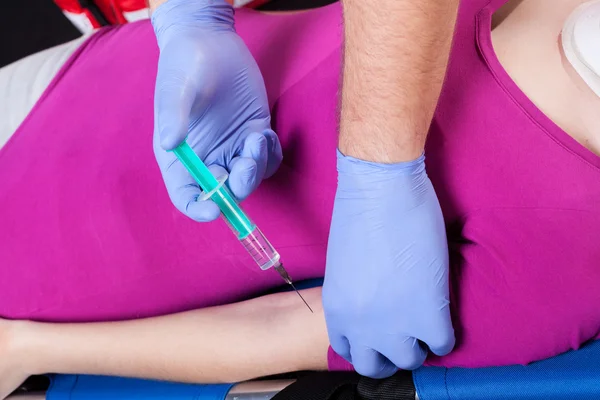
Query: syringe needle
x,y
286,277
296,290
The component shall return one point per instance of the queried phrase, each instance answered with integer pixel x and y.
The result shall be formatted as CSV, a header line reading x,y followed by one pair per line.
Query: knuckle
x,y
369,369
409,361
340,348
443,338
259,138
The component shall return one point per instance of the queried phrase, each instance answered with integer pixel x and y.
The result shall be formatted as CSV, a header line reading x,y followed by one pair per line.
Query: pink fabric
x,y
88,232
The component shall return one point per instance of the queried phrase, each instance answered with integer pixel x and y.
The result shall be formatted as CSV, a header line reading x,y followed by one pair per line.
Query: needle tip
x,y
283,273
297,292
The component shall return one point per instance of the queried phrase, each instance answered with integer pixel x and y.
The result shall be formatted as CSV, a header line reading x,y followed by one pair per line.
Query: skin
x,y
397,52
275,333
264,336
155,3
555,87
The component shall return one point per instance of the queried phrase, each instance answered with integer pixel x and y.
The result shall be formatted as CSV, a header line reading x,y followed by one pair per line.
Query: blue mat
x,y
83,387
573,375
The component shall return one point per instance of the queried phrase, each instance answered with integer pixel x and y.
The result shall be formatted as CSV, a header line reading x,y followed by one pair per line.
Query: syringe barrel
x,y
261,251
236,218
253,240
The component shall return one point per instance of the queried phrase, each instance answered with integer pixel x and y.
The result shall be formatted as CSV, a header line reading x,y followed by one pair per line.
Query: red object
x,y
72,7
132,5
114,9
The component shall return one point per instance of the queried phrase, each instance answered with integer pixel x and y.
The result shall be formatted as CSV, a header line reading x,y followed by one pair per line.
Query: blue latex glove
x,y
385,294
210,89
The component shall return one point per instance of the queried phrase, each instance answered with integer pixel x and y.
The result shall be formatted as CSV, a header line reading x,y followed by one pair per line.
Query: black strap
x,y
349,386
398,387
322,386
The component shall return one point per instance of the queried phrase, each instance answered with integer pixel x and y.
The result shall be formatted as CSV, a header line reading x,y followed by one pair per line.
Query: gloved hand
x,y
210,89
386,295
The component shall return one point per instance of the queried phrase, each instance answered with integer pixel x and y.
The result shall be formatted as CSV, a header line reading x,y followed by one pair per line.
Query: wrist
x,y
21,347
213,14
372,177
154,4
355,165
374,132
384,154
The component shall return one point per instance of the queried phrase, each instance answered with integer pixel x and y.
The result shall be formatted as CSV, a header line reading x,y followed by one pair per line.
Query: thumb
x,y
173,100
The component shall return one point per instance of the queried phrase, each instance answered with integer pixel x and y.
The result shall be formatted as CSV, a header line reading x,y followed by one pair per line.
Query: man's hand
x,y
386,287
385,294
210,90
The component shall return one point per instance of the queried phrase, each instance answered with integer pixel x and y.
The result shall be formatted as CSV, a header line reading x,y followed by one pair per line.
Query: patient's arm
x,y
264,336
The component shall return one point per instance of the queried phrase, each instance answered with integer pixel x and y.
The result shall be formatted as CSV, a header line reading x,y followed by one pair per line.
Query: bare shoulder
x,y
526,37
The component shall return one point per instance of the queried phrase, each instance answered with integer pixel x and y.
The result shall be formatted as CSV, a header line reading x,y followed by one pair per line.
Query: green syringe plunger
x,y
247,232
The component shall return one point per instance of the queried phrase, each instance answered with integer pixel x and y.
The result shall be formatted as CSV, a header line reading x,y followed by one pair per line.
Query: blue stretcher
x,y
573,375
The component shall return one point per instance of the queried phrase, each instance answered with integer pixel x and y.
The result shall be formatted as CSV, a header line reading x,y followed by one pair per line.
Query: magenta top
x,y
88,231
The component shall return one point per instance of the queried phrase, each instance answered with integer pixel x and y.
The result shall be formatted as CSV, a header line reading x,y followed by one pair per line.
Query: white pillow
x,y
23,82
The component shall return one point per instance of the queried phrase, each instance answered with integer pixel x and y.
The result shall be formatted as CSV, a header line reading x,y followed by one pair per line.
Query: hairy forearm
x,y
268,335
395,59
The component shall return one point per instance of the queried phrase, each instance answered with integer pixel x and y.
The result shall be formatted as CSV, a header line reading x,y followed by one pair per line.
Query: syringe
x,y
253,240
